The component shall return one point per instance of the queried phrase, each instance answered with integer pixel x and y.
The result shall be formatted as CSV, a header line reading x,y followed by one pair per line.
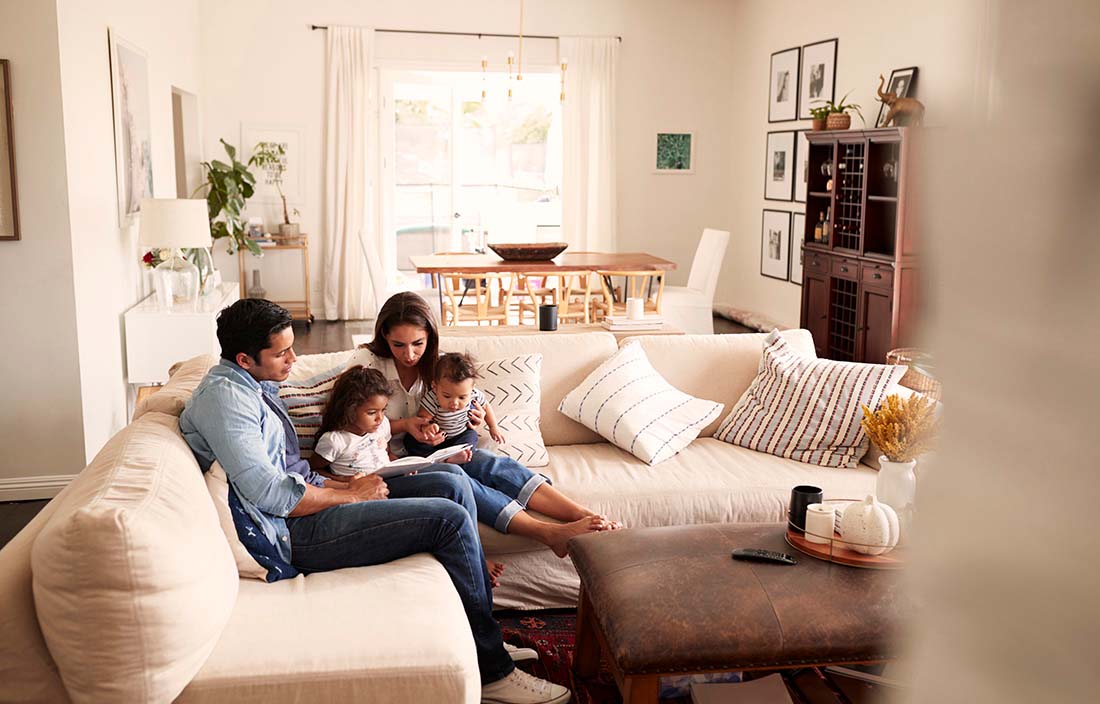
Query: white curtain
x,y
588,133
348,230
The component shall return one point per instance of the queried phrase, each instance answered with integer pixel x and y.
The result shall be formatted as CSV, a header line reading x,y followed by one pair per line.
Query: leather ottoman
x,y
664,601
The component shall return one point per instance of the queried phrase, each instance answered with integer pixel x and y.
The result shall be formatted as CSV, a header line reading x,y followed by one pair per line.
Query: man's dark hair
x,y
247,326
455,367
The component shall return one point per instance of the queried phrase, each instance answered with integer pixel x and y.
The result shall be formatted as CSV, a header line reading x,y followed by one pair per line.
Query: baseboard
x,y
30,488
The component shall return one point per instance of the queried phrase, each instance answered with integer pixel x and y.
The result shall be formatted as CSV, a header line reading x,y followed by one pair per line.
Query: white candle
x,y
635,308
820,523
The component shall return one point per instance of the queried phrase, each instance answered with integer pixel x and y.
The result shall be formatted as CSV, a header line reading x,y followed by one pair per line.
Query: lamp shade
x,y
174,222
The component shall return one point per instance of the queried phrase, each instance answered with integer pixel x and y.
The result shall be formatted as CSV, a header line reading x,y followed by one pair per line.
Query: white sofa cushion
x,y
511,386
807,409
386,634
134,583
626,401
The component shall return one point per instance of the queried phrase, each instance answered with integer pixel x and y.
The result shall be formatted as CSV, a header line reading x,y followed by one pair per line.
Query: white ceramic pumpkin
x,y
870,527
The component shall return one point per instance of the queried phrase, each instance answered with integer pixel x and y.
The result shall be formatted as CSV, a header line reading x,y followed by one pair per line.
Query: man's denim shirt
x,y
227,419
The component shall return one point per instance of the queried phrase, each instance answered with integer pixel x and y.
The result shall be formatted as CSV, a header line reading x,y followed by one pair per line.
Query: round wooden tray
x,y
528,252
834,550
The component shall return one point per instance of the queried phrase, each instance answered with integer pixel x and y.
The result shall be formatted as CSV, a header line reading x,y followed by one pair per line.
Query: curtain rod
x,y
479,35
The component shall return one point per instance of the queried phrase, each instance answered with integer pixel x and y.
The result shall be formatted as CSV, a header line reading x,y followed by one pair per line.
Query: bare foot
x,y
560,533
495,570
607,524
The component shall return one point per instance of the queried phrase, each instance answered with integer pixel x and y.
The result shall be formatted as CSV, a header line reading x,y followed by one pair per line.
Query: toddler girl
x,y
354,431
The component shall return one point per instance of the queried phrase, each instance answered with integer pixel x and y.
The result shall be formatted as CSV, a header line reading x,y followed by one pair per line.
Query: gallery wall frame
x,y
783,85
674,152
9,192
818,75
779,166
801,165
798,227
775,244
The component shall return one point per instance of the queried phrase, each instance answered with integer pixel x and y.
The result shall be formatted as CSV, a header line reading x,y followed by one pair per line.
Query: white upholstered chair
x,y
690,308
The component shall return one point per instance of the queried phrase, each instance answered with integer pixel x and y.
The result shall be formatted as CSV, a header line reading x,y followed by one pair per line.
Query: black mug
x,y
801,497
548,317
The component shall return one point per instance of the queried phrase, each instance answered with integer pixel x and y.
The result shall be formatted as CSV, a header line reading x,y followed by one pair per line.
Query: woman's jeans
x,y
502,487
433,511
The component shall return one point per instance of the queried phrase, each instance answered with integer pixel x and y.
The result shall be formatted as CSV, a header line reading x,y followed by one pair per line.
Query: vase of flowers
x,y
903,428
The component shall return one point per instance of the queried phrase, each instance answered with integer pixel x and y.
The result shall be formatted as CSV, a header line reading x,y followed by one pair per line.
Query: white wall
x,y
937,36
40,421
106,272
262,64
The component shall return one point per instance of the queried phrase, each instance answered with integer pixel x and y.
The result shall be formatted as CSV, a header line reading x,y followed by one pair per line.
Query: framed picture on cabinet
x,y
903,82
775,244
798,229
818,81
783,86
801,165
9,200
779,166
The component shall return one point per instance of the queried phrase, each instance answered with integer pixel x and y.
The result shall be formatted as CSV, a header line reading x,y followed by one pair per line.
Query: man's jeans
x,y
434,512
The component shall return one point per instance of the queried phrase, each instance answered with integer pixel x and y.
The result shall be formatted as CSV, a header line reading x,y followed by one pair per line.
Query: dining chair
x,y
485,298
573,292
636,284
691,308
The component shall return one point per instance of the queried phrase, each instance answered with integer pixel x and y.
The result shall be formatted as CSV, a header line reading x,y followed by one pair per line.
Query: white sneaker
x,y
521,688
520,654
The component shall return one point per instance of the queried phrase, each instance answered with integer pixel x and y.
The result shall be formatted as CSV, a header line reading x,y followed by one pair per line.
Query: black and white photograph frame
x,y
779,166
798,230
817,82
783,85
801,166
903,81
775,244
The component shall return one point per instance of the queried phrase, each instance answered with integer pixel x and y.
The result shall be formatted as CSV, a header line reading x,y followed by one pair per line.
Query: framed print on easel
x,y
818,81
783,86
779,166
775,244
798,228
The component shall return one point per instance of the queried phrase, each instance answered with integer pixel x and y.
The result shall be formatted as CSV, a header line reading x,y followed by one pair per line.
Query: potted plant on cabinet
x,y
271,156
836,115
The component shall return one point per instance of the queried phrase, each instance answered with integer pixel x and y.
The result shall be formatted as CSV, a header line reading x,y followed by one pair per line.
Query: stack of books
x,y
621,323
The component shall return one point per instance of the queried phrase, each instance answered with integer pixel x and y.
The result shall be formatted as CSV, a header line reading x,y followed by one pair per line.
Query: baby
x,y
448,405
354,431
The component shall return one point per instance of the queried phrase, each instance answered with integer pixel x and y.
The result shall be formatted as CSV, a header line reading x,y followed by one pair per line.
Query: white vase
x,y
896,486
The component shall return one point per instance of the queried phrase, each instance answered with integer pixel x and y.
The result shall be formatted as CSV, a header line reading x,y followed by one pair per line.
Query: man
x,y
301,522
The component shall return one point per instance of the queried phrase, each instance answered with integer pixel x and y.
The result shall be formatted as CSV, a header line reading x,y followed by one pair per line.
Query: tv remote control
x,y
758,555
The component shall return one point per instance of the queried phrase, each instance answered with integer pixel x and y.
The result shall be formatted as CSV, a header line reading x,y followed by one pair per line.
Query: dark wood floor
x,y
322,336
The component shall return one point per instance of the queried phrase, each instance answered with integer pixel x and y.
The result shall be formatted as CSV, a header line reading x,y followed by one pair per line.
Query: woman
x,y
405,347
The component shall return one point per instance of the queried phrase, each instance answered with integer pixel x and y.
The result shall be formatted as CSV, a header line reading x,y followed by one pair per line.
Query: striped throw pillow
x,y
626,401
807,409
307,390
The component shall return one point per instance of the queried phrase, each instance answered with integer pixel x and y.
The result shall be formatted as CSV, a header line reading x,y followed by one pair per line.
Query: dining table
x,y
475,263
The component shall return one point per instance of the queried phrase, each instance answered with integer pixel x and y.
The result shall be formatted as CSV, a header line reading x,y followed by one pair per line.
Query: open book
x,y
405,465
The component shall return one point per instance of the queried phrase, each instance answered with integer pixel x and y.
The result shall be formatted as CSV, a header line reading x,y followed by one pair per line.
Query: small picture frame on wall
x,y
775,244
783,85
903,82
779,166
801,166
818,76
9,197
798,227
675,153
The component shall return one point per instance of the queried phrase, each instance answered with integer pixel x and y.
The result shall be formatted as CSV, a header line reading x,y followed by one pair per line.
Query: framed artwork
x,y
798,229
779,166
783,86
133,126
801,165
775,244
818,76
269,181
903,81
9,197
675,153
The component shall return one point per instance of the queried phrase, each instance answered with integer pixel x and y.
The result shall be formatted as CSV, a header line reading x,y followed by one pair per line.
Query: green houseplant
x,y
229,186
835,115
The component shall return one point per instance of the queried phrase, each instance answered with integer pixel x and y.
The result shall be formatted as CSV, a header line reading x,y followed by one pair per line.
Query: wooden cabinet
x,y
854,302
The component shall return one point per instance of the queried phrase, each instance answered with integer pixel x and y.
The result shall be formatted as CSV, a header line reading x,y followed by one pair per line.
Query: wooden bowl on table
x,y
536,252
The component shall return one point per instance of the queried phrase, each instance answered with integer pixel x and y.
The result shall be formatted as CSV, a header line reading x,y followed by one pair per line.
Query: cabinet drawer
x,y
816,261
879,275
845,268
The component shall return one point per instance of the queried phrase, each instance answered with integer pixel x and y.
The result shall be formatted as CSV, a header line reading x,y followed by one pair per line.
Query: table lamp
x,y
175,223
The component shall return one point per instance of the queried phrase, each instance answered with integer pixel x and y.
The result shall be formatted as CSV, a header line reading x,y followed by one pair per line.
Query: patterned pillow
x,y
807,409
626,401
511,386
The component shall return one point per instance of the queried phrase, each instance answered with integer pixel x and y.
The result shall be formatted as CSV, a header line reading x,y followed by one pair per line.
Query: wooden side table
x,y
300,309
